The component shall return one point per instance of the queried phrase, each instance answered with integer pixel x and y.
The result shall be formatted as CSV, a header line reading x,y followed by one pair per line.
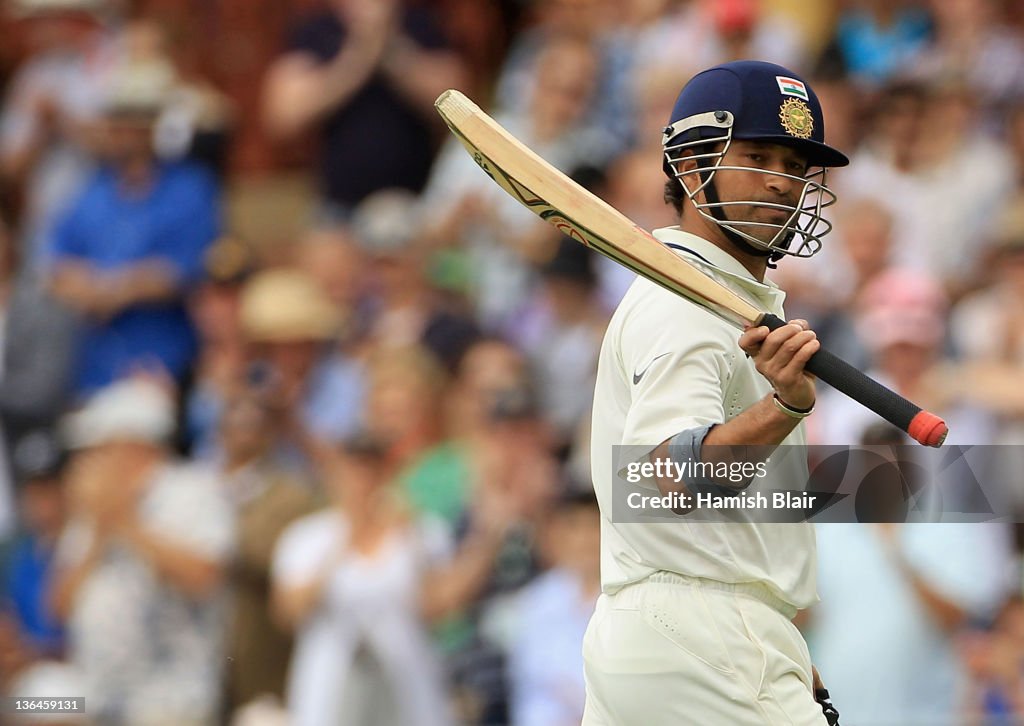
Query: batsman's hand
x,y
780,356
824,700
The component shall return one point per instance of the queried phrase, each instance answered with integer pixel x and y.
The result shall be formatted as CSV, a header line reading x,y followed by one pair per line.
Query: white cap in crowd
x,y
132,409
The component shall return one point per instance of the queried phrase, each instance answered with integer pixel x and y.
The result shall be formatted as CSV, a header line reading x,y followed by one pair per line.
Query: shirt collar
x,y
722,261
712,254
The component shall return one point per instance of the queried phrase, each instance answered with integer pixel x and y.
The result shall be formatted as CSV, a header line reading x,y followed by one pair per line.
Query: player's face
x,y
774,187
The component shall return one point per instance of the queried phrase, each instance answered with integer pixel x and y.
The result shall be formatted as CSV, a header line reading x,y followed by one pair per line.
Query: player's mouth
x,y
776,215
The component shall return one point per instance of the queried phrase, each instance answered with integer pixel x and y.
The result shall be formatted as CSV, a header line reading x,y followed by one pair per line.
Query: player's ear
x,y
685,168
687,162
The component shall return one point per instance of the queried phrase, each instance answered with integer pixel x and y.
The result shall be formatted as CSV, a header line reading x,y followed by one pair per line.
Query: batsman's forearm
x,y
749,437
761,426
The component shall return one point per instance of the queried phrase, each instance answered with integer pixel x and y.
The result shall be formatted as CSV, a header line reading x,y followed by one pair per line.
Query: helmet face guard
x,y
799,234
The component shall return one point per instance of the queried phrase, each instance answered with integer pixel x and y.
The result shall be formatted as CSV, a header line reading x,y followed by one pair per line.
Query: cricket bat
x,y
584,217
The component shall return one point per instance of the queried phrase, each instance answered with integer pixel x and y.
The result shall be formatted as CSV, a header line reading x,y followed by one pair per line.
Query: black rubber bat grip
x,y
924,427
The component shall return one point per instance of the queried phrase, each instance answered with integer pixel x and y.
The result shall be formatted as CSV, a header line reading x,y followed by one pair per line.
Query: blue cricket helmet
x,y
768,103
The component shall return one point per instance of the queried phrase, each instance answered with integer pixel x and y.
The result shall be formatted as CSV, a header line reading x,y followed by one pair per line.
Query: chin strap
x,y
716,211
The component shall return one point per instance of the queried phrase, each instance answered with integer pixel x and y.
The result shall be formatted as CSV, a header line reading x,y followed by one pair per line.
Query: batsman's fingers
x,y
801,322
784,366
779,338
794,345
794,368
752,338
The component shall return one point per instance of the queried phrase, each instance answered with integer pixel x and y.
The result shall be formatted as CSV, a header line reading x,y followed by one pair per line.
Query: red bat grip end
x,y
928,429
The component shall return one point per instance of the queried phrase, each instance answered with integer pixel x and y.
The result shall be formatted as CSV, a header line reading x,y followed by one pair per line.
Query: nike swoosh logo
x,y
638,376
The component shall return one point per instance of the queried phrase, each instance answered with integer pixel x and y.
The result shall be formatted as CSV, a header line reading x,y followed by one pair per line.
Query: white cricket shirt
x,y
692,373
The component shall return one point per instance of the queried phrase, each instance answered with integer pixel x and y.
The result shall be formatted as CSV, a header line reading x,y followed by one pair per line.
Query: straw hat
x,y
139,87
286,305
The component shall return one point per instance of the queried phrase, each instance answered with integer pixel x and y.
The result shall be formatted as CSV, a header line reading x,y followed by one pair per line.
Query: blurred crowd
x,y
341,475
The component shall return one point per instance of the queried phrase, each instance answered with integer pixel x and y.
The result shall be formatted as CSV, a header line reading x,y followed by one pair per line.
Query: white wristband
x,y
789,410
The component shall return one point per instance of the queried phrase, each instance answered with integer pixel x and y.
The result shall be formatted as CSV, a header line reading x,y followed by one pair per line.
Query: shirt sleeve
x,y
678,373
453,175
300,553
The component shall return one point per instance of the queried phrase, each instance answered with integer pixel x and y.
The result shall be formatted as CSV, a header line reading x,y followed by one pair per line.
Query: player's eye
x,y
797,168
756,158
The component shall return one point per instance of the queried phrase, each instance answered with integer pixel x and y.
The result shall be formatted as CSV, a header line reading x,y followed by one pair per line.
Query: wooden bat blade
x,y
590,221
581,215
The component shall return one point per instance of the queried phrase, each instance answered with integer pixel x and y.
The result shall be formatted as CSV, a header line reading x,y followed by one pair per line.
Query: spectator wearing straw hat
x,y
219,371
289,323
133,242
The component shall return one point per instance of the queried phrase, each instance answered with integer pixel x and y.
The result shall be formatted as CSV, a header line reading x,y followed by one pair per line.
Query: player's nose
x,y
778,182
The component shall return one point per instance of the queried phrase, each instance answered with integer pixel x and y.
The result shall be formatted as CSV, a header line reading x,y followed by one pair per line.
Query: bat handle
x,y
924,427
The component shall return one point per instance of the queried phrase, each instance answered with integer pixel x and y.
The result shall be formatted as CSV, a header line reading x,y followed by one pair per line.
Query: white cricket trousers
x,y
683,651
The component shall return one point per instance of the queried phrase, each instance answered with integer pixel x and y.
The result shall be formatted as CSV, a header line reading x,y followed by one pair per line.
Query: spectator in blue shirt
x,y
551,616
133,242
876,41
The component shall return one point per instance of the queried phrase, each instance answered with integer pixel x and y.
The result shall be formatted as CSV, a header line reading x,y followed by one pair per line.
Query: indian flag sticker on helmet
x,y
791,87
796,118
